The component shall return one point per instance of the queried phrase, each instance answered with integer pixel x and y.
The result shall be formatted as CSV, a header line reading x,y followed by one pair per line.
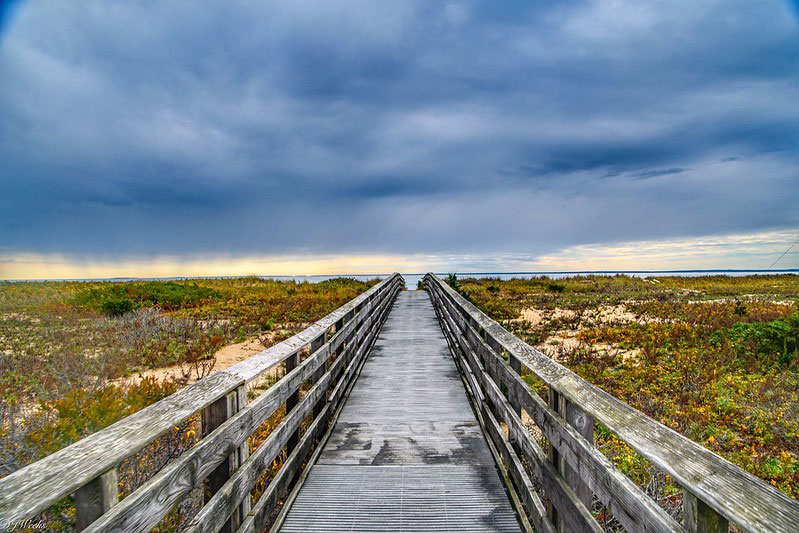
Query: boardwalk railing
x,y
324,357
571,470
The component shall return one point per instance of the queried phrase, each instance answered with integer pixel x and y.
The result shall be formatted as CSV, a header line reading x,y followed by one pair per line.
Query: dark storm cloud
x,y
400,127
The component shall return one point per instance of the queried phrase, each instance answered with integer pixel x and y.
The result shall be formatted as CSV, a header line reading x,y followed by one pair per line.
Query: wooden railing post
x,y
699,517
95,498
315,345
292,401
214,416
244,454
348,341
584,424
553,399
516,366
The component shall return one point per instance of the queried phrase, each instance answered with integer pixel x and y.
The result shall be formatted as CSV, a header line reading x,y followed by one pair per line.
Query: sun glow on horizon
x,y
744,251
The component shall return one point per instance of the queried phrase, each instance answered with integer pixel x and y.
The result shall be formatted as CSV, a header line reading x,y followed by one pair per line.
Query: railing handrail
x,y
37,486
735,494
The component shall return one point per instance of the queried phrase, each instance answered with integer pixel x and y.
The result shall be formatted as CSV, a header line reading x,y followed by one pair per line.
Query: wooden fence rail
x,y
333,348
571,471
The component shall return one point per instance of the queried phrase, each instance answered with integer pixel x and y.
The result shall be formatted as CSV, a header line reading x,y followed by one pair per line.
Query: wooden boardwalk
x,y
407,453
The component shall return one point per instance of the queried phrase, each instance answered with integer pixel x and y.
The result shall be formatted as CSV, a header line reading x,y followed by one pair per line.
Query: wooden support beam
x,y
584,424
214,416
315,345
699,518
553,399
95,498
292,401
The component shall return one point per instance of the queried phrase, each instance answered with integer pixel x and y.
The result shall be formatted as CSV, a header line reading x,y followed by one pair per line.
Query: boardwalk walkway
x,y
407,453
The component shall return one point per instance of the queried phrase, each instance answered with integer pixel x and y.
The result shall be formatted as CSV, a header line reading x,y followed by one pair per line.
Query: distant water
x,y
412,279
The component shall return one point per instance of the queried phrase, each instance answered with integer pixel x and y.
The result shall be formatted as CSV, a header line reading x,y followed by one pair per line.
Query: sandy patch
x,y
536,316
226,357
744,299
609,314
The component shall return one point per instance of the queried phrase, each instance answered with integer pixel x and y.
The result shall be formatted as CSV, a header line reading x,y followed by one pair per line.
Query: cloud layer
x,y
393,128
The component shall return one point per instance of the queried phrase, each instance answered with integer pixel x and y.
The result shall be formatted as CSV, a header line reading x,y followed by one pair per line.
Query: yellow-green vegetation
x,y
64,344
714,358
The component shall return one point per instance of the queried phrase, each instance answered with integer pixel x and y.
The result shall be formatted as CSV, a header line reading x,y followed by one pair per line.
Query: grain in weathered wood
x,y
583,423
553,456
699,518
735,494
36,487
95,498
535,507
148,504
269,358
394,438
238,486
259,516
214,416
315,345
636,511
244,454
578,516
292,401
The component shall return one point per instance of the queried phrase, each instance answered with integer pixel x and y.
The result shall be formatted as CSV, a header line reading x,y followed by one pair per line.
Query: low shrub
x,y
775,341
81,412
116,299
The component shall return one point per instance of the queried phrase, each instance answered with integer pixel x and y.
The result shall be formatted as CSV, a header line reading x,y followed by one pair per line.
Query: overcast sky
x,y
141,137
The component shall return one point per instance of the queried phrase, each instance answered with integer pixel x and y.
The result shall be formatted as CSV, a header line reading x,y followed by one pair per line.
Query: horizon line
x,y
528,272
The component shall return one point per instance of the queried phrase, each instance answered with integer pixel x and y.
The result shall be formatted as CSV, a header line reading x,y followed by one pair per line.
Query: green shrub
x,y
556,287
452,281
81,412
766,340
117,306
116,299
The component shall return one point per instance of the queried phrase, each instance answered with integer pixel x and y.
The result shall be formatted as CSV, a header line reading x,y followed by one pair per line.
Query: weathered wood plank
x,y
265,360
148,504
636,511
734,493
535,507
315,345
292,401
34,488
575,516
257,520
238,486
95,498
214,416
244,454
699,518
583,423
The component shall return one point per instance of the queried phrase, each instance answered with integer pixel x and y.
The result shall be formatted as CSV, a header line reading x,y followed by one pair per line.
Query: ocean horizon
x,y
411,278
